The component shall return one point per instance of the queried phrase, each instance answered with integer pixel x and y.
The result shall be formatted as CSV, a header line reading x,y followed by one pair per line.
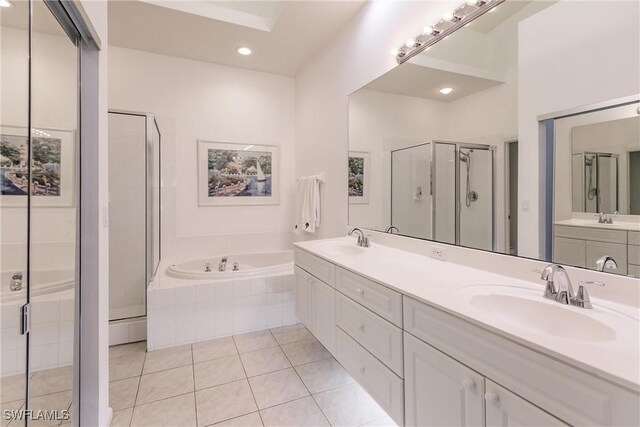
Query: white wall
x,y
598,60
195,100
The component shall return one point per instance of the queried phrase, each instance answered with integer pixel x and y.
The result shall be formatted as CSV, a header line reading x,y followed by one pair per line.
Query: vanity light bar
x,y
451,22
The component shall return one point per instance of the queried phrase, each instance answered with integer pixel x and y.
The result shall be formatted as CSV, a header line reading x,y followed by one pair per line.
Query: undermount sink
x,y
332,248
527,310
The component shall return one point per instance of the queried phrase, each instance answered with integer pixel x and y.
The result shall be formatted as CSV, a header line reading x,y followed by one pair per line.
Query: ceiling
x,y
424,82
284,35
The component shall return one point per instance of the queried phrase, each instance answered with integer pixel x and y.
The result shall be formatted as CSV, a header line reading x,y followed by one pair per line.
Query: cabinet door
x,y
303,297
323,313
440,391
505,409
569,251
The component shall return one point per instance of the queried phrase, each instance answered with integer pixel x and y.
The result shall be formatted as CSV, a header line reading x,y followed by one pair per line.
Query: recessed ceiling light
x,y
241,50
5,3
446,90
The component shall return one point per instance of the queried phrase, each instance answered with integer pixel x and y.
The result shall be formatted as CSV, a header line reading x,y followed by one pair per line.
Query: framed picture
x,y
52,167
359,177
237,174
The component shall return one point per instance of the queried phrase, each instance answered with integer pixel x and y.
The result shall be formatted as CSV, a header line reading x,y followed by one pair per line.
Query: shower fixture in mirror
x,y
459,136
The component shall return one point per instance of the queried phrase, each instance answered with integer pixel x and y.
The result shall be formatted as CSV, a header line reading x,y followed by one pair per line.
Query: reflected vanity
x,y
457,155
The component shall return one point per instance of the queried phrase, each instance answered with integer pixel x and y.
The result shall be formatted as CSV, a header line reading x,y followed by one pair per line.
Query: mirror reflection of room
x,y
442,136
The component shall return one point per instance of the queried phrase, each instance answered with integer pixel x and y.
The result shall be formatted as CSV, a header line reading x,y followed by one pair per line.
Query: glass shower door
x,y
411,202
14,207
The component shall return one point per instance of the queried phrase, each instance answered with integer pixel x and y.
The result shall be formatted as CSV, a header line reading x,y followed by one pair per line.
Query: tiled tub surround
x,y
277,377
51,333
382,293
183,311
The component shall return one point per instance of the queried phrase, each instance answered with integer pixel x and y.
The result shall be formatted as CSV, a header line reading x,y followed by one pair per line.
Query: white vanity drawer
x,y
382,338
634,238
320,268
568,393
634,255
591,233
381,300
381,383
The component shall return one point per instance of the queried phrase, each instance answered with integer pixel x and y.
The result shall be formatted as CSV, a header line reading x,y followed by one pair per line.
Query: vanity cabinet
x,y
439,391
426,366
506,409
315,307
582,246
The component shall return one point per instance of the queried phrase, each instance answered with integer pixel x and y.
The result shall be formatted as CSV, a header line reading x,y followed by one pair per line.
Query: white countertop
x,y
617,225
439,284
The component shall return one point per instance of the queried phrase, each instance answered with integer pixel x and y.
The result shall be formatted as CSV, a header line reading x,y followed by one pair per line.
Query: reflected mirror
x,y
456,144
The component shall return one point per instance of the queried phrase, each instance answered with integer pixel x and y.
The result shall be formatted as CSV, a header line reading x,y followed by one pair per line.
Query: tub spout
x,y
16,282
223,264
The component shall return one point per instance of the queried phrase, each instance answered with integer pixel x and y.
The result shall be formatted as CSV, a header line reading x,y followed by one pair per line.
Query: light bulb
x,y
430,31
5,3
411,43
242,50
473,2
449,16
446,90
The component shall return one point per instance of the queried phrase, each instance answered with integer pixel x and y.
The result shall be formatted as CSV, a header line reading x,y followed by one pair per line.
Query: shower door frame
x,y
458,205
150,266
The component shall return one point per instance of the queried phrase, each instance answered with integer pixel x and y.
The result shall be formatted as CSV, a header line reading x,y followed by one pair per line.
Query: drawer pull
x,y
491,397
360,291
469,385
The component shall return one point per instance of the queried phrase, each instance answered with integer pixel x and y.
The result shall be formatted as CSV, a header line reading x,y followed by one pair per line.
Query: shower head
x,y
464,157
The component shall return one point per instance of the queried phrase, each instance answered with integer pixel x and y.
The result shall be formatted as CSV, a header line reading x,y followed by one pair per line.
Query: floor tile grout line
x,y
249,384
195,397
135,401
311,395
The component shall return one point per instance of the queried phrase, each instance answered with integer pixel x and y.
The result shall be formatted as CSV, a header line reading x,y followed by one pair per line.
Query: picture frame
x,y
359,181
53,167
235,174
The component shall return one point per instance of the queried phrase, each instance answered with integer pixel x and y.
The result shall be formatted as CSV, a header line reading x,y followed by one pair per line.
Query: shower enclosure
x,y
595,182
444,191
134,216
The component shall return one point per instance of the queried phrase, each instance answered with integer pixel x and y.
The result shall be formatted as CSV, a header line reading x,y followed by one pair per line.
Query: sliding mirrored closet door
x,y
38,213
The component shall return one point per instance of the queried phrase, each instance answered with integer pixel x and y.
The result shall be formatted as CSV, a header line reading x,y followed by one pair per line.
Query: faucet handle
x,y
582,299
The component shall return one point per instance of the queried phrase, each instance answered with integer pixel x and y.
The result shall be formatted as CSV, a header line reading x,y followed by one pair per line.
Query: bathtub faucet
x,y
16,282
223,264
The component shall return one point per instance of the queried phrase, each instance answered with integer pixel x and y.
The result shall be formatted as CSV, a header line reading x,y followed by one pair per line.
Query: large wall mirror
x,y
513,134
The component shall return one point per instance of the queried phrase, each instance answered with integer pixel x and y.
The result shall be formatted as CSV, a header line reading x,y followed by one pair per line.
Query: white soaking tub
x,y
186,304
248,265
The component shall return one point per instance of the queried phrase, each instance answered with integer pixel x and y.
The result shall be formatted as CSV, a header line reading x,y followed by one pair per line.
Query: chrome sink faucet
x,y
606,263
223,264
363,241
564,292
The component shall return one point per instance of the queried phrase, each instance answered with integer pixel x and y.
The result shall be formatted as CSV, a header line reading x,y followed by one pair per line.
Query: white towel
x,y
307,205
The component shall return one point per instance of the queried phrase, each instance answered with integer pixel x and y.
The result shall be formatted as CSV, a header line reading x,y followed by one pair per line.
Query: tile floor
x,y
277,377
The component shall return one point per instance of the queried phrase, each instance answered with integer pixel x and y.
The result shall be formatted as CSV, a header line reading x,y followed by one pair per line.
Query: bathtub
x,y
43,282
52,329
186,304
249,265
